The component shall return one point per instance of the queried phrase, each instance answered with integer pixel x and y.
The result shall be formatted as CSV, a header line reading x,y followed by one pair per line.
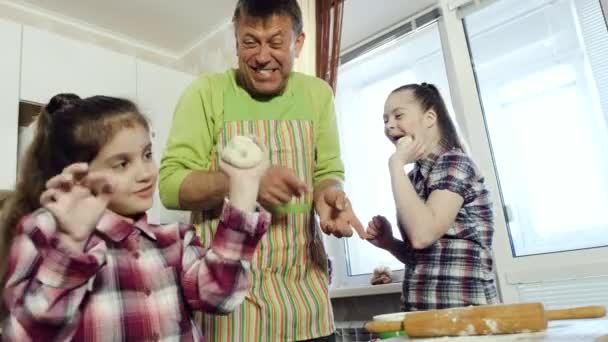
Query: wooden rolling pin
x,y
482,320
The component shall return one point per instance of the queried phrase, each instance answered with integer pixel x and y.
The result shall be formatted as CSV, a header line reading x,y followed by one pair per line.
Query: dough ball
x,y
242,152
405,140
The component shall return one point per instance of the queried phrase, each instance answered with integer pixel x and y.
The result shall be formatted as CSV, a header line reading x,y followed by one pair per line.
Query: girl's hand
x,y
380,232
77,199
245,183
407,153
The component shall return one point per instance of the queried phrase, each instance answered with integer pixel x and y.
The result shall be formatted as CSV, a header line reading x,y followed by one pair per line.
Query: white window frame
x,y
342,282
511,271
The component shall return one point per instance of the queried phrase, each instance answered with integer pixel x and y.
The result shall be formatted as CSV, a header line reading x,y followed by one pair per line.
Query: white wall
x,y
37,64
53,64
10,59
158,90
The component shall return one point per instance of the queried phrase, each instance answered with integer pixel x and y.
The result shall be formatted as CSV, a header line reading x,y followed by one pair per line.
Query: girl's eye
x,y
121,165
148,155
398,116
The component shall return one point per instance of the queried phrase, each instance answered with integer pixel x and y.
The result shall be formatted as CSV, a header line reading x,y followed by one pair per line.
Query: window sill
x,y
369,290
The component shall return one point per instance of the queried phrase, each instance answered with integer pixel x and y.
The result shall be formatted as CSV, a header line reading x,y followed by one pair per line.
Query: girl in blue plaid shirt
x,y
443,206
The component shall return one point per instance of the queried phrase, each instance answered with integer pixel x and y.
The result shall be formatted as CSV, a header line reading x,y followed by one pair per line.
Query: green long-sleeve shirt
x,y
199,116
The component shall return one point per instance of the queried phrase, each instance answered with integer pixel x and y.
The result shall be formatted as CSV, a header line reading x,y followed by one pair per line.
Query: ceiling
x,y
174,27
169,26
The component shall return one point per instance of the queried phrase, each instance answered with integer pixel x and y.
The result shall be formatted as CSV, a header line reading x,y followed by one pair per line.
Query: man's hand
x,y
278,186
336,215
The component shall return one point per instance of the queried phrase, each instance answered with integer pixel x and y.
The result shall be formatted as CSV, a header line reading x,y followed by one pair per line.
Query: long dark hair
x,y
428,97
68,130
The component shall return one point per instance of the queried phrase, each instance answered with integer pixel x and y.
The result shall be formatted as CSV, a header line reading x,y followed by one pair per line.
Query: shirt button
x,y
155,337
147,292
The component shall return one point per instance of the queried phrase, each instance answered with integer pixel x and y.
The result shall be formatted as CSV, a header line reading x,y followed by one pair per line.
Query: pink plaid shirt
x,y
133,282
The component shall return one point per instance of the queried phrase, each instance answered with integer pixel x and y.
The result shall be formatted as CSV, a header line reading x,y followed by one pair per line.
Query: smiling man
x,y
293,115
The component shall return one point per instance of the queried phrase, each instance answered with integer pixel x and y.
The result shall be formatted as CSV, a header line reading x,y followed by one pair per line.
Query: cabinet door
x,y
10,41
53,64
158,90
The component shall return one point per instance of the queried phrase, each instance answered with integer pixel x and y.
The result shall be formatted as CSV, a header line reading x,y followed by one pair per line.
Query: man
x,y
293,115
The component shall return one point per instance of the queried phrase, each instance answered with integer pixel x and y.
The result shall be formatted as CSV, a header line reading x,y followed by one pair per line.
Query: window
x,y
363,85
543,82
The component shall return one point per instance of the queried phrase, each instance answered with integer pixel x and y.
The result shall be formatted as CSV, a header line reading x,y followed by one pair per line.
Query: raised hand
x,y
245,182
77,198
407,153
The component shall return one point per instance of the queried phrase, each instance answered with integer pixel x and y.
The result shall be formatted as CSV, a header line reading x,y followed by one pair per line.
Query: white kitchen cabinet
x,y
158,90
53,64
10,57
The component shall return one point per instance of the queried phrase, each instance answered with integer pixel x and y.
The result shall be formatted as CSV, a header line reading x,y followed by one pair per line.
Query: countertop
x,y
367,290
583,330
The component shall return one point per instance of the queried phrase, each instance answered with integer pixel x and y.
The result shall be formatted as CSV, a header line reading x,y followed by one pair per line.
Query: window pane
x,y
363,86
543,81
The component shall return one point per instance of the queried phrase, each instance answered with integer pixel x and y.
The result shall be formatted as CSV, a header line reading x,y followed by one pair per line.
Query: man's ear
x,y
299,43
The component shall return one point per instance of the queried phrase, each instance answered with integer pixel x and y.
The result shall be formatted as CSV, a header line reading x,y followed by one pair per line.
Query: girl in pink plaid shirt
x,y
84,263
443,206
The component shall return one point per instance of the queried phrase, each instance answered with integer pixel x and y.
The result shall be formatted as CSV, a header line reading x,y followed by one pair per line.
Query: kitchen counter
x,y
583,330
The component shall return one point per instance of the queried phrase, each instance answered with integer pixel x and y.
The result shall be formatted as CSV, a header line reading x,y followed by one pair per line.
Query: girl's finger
x,y
372,232
77,193
54,208
383,221
49,196
61,181
378,222
99,184
371,224
77,170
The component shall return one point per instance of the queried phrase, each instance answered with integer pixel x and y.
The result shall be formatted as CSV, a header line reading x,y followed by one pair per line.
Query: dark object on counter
x,y
382,275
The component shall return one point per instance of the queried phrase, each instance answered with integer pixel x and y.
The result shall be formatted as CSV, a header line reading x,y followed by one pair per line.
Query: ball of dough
x,y
242,152
405,140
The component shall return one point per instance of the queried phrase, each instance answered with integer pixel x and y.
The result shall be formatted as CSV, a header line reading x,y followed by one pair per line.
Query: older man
x,y
293,114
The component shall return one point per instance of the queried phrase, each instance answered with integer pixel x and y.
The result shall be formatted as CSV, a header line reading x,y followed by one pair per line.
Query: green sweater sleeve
x,y
191,140
329,163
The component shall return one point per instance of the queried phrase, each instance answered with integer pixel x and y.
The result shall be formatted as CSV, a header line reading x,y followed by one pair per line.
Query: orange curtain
x,y
329,14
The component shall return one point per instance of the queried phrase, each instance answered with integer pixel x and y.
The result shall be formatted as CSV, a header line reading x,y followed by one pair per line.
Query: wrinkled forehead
x,y
268,25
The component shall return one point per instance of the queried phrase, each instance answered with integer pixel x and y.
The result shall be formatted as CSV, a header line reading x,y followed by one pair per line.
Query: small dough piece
x,y
405,140
242,152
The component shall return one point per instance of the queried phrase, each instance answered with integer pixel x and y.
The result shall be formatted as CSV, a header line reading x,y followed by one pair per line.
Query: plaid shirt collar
x,y
425,164
118,227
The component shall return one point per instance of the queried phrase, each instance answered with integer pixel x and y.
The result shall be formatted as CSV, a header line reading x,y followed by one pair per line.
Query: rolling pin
x,y
482,320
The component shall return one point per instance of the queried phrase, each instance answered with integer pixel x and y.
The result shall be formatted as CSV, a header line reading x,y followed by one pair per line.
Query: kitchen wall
x,y
215,53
